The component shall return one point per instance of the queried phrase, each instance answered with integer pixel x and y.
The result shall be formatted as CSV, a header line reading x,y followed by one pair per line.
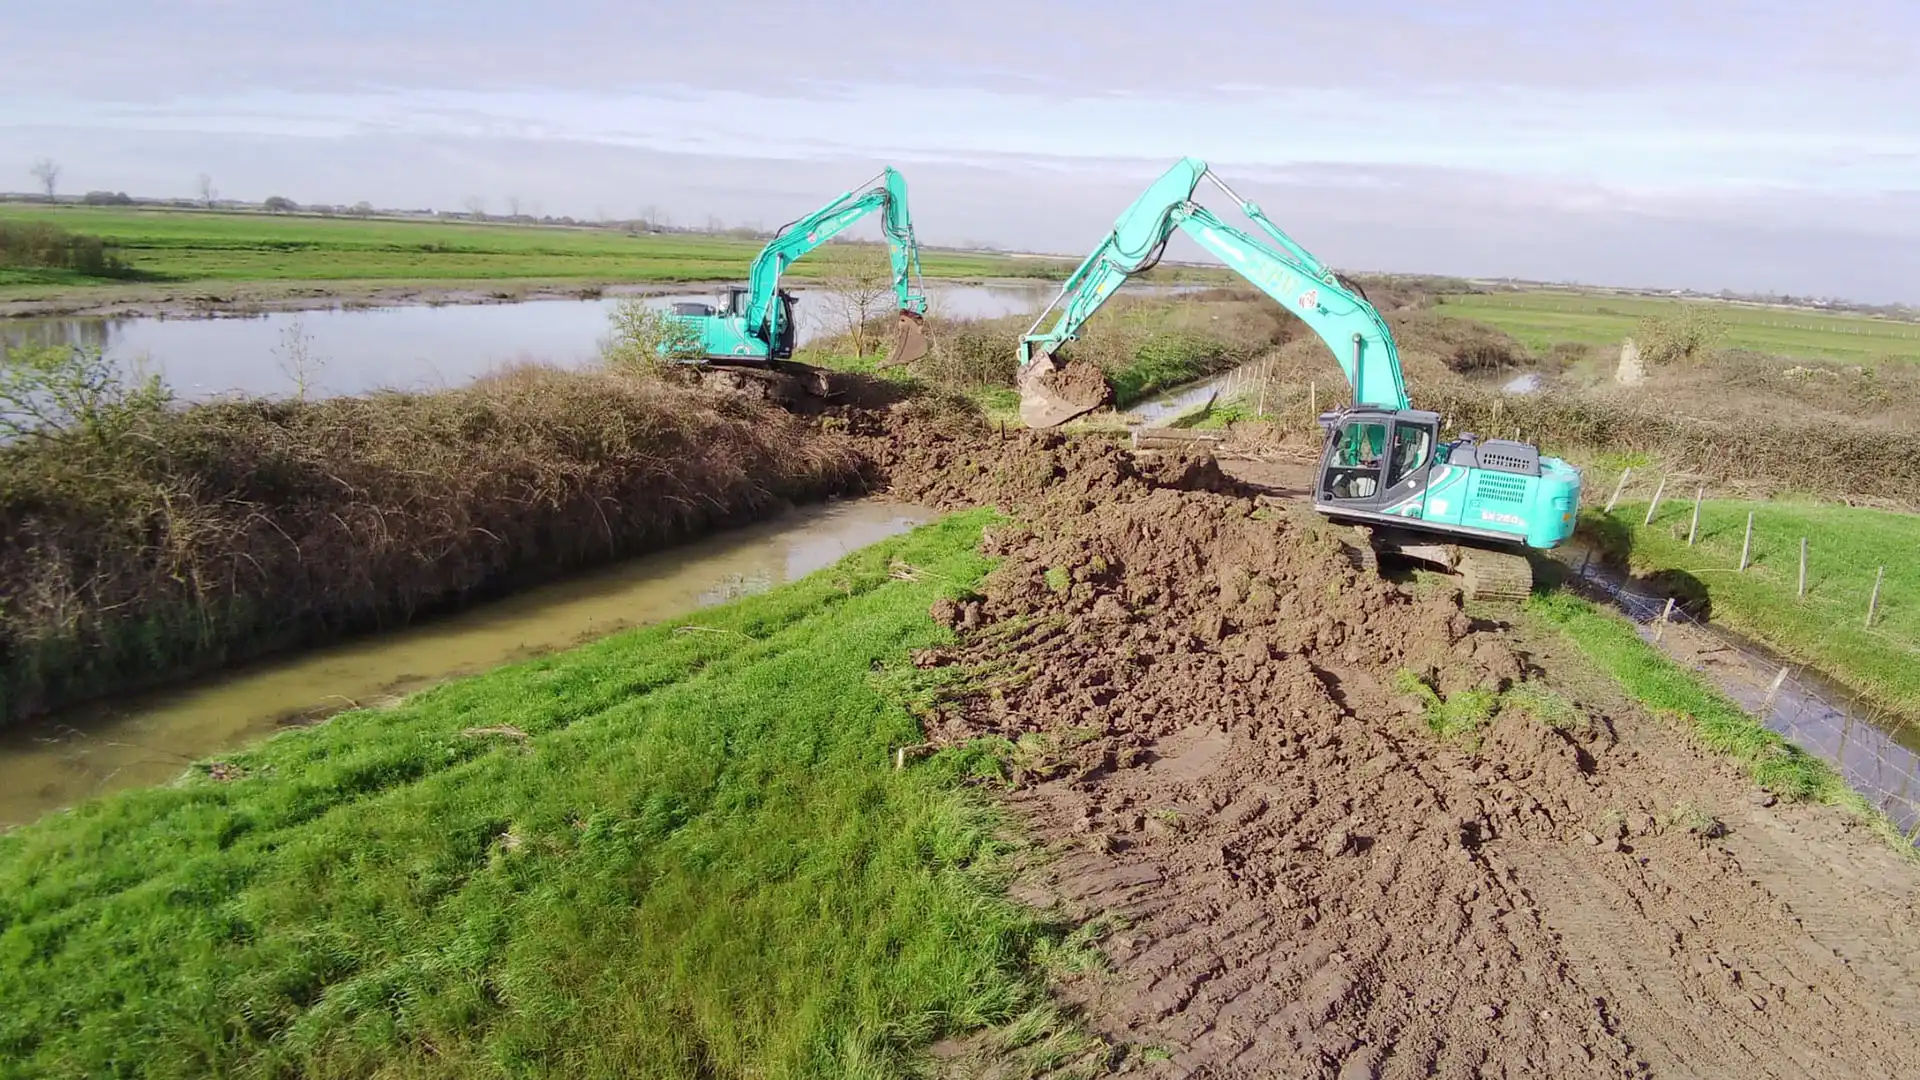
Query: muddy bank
x,y
205,300
1206,719
182,540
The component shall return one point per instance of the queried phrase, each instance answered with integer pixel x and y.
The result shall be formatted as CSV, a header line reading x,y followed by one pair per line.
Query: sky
x,y
1757,146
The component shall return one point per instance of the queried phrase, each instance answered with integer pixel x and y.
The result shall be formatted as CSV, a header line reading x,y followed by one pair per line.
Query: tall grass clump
x,y
37,245
181,539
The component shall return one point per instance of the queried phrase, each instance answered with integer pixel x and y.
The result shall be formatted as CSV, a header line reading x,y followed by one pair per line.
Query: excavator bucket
x,y
1053,392
909,340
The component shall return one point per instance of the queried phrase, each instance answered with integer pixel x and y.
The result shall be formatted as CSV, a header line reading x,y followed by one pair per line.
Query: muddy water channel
x,y
353,350
151,738
1878,753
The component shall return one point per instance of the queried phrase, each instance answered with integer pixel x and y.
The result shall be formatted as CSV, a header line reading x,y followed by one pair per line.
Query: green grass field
x,y
190,246
689,855
1846,546
1543,319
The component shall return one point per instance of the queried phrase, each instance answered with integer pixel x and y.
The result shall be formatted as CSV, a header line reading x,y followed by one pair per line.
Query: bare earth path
x,y
1311,884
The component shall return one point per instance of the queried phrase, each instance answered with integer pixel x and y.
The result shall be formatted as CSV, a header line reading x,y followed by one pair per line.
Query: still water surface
x,y
350,351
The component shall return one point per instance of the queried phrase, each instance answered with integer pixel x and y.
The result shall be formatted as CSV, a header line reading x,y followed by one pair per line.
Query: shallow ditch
x,y
150,738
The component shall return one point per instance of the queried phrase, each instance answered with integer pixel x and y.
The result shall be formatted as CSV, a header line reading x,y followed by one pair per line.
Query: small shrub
x,y
1545,706
646,339
50,390
36,245
1690,332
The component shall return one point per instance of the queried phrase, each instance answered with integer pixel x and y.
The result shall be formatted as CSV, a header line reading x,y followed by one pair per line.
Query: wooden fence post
x,y
1803,568
1618,488
1746,546
1694,529
1660,628
1873,602
1654,506
1773,693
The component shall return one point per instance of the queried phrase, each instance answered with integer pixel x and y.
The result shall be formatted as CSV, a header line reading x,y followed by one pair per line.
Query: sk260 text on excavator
x,y
1465,506
747,340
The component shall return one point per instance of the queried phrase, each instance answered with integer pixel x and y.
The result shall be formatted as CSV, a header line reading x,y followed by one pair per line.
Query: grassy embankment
x,y
689,855
146,542
1827,628
1612,644
191,246
1541,320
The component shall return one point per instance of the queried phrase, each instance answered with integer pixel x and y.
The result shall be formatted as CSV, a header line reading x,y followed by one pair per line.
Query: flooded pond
x,y
151,738
353,350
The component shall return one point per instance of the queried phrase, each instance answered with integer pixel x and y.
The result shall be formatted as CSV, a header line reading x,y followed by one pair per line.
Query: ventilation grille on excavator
x,y
1509,456
1500,489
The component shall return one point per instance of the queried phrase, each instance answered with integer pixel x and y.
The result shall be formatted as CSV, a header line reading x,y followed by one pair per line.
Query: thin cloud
x,y
1729,123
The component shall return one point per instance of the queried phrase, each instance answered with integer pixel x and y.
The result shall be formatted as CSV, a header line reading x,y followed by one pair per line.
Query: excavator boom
x,y
1282,269
755,324
1462,504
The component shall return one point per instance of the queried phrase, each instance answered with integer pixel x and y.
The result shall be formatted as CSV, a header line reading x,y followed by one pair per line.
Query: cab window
x,y
1361,444
1412,444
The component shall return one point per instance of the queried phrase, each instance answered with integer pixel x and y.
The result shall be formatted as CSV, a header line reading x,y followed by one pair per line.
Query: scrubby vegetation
x,y
140,541
41,251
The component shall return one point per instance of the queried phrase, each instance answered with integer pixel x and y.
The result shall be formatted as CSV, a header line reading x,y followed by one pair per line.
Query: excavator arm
x,y
1334,308
887,194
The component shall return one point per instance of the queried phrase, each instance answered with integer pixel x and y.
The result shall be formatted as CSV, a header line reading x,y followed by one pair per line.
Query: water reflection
x,y
349,351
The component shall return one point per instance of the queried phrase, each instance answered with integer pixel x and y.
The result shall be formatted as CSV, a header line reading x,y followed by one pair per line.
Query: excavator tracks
x,y
1485,575
787,384
1494,575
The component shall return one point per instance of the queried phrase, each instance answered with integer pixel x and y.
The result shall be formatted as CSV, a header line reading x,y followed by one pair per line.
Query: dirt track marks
x,y
1313,885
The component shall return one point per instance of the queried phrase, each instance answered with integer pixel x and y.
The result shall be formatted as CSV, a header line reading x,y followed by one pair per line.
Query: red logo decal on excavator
x,y
1310,299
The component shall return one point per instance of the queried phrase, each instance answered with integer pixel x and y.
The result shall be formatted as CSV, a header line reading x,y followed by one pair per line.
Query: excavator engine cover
x,y
909,340
1052,392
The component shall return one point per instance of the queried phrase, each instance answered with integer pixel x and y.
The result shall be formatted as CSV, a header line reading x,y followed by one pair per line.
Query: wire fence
x,y
1874,750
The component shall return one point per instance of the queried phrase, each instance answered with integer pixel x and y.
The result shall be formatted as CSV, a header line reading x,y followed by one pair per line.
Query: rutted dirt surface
x,y
1309,883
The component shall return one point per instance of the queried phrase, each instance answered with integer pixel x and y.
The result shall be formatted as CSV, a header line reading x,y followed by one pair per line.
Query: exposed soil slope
x,y
1311,883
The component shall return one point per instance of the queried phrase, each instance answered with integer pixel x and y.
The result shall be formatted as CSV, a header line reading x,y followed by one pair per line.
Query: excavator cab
x,y
1376,460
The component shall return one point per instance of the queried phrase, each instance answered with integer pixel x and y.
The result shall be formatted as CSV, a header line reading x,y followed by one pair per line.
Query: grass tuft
x,y
1454,718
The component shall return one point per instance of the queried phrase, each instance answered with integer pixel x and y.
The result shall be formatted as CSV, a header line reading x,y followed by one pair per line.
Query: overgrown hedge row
x,y
205,535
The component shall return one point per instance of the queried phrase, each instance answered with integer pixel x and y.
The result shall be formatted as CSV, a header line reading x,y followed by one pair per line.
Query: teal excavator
x,y
753,326
1465,506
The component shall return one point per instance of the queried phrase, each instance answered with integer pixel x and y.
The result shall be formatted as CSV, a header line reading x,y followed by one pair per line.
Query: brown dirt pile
x,y
1199,693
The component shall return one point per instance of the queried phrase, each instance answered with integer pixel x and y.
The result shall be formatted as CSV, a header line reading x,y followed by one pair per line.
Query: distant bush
x,y
107,198
37,245
280,204
1690,332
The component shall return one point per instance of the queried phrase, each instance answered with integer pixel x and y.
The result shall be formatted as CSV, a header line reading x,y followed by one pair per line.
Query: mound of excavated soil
x,y
1310,883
